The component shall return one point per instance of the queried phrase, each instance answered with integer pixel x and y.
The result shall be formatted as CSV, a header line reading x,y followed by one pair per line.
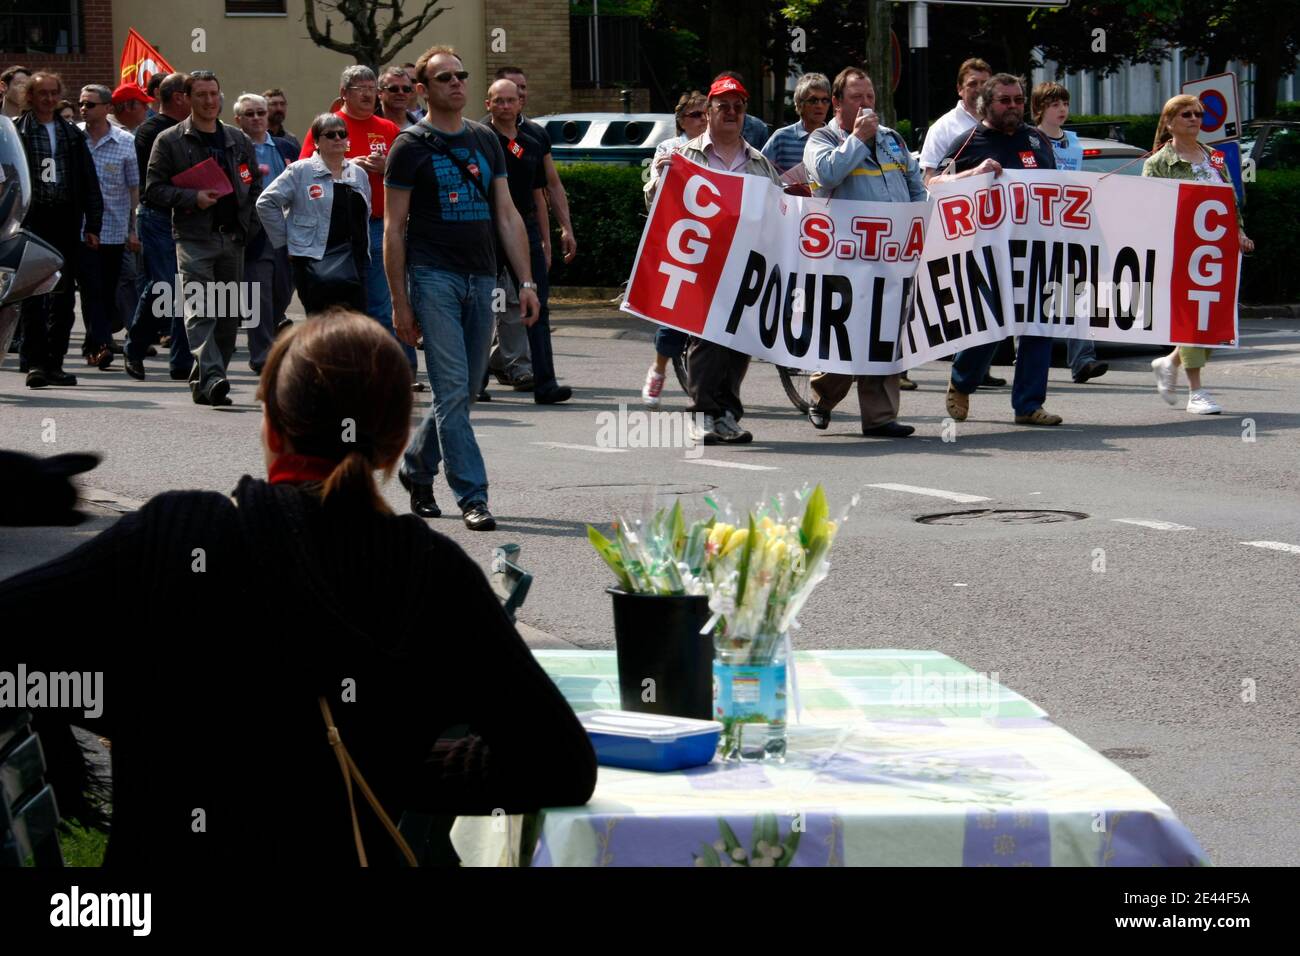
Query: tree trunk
x,y
735,43
1267,74
879,18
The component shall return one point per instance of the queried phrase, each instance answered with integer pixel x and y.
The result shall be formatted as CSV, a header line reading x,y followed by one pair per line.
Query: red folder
x,y
206,175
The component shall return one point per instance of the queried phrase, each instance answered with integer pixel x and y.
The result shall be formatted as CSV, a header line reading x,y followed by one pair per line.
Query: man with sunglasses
x,y
395,94
448,205
1003,141
266,268
370,137
715,372
812,101
113,151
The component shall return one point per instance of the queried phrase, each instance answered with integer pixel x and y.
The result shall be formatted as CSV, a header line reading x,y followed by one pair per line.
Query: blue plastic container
x,y
636,741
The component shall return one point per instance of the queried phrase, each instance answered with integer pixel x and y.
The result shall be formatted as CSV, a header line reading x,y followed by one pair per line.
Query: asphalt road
x,y
1139,627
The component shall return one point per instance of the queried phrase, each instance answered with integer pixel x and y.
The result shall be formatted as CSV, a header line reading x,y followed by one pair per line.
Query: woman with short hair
x,y
320,209
1178,154
692,116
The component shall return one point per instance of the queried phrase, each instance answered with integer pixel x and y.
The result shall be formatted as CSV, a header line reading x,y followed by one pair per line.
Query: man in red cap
x,y
130,106
714,372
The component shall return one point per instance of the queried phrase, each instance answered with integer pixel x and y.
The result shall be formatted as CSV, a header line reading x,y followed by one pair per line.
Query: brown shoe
x,y
958,404
905,384
1038,417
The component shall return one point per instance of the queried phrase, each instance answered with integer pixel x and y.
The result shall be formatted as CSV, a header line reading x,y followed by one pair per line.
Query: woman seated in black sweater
x,y
241,613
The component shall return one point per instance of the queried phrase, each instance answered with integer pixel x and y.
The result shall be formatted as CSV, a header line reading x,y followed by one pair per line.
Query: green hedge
x,y
1289,111
608,214
1272,210
1140,131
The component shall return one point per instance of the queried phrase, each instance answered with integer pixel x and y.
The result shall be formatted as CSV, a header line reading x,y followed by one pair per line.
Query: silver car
x,y
624,139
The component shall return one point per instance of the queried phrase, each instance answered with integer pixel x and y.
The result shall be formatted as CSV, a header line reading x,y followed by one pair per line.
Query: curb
x,y
1284,311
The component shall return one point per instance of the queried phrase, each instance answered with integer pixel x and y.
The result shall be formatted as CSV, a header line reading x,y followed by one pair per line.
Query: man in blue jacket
x,y
854,157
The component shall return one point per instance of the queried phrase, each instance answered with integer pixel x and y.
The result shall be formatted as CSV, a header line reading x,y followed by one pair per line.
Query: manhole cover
x,y
634,488
1002,516
1125,753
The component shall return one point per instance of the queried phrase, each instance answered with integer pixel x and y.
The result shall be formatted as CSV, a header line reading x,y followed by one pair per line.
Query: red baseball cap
x,y
727,85
130,91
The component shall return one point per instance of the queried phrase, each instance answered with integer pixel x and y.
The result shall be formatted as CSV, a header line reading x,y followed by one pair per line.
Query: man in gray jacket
x,y
854,157
211,226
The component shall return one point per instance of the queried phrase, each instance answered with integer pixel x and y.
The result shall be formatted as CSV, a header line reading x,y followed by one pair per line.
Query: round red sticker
x,y
315,191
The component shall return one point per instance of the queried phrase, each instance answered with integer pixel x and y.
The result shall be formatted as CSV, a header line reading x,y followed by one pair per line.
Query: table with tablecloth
x,y
896,758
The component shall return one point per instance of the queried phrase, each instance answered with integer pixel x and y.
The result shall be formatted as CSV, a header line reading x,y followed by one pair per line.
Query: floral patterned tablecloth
x,y
898,758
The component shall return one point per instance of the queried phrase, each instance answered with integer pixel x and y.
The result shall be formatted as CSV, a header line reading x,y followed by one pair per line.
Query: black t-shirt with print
x,y
225,212
523,156
449,225
1026,148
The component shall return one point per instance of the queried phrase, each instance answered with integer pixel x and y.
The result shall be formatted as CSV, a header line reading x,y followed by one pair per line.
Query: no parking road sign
x,y
1218,96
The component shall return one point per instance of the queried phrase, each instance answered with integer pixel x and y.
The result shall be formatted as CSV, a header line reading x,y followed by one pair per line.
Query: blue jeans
x,y
1033,362
1079,352
379,302
670,343
159,250
454,312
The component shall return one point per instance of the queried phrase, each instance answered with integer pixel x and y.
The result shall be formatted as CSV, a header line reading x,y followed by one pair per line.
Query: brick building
x,y
74,38
255,44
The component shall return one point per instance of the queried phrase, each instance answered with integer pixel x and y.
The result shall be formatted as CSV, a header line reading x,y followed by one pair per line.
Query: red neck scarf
x,y
293,469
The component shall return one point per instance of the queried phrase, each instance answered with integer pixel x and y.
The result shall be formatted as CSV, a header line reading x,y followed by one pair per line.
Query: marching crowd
x,y
439,228
419,218
853,156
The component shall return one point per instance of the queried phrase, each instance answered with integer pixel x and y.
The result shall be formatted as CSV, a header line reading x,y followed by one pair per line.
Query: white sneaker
x,y
652,389
1201,403
704,429
1166,378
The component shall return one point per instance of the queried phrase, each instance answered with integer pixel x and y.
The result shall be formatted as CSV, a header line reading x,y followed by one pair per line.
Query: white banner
x,y
877,288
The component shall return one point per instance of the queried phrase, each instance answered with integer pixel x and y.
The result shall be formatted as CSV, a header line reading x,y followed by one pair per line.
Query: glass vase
x,y
749,698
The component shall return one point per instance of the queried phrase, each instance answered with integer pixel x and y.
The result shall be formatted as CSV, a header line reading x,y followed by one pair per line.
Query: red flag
x,y
141,61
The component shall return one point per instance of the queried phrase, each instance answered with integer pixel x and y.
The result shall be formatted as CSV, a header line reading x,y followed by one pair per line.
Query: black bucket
x,y
658,639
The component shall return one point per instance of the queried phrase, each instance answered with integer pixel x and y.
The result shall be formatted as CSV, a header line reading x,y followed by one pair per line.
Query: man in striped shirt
x,y
113,151
812,101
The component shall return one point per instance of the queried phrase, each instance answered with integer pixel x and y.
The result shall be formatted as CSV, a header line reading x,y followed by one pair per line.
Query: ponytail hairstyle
x,y
1164,132
339,387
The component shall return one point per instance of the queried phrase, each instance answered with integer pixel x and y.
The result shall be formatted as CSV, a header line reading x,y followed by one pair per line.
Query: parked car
x,y
1271,144
624,139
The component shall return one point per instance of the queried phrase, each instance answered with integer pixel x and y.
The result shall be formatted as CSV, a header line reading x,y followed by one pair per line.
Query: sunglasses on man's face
x,y
695,114
90,106
446,75
818,100
1191,114
334,134
399,89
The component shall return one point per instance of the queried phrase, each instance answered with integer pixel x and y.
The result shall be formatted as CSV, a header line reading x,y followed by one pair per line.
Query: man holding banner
x,y
714,372
1003,141
854,157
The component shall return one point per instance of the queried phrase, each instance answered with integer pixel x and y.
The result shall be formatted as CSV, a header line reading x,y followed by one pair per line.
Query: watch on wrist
x,y
528,285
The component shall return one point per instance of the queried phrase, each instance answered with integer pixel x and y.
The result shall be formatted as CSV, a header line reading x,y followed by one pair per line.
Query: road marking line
x,y
1274,546
933,493
560,444
716,463
1157,525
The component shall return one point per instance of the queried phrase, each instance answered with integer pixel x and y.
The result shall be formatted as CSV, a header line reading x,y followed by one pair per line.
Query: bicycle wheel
x,y
798,387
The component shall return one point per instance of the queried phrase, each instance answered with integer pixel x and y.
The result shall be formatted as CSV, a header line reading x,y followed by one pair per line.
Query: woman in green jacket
x,y
1178,155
